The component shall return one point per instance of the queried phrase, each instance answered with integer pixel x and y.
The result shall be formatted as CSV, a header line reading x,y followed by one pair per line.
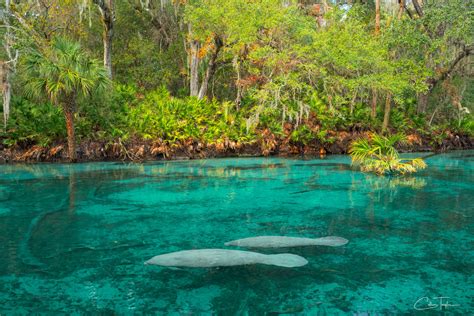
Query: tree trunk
x,y
353,103
194,69
386,117
422,104
6,91
106,8
401,8
211,68
108,52
373,113
71,141
418,8
377,17
238,98
443,74
7,67
446,71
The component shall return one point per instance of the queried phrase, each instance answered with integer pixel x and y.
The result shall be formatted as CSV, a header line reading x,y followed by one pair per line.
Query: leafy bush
x,y
378,154
32,123
159,115
302,134
466,125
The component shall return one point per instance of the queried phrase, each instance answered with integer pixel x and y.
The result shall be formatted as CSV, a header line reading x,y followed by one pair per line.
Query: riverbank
x,y
267,145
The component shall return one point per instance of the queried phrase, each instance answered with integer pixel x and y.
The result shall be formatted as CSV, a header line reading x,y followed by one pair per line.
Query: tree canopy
x,y
296,70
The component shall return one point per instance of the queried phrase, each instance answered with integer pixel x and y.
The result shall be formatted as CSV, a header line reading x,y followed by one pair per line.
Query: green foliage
x,y
62,72
378,154
159,115
467,126
33,123
146,58
282,63
238,22
406,119
302,134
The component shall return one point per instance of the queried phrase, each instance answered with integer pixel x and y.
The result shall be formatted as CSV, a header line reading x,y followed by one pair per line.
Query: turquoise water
x,y
73,238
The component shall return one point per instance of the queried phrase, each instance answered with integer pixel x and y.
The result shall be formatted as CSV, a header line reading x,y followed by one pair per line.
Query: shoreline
x,y
267,146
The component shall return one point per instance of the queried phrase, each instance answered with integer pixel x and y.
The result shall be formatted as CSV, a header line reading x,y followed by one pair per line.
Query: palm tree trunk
x,y
388,107
71,141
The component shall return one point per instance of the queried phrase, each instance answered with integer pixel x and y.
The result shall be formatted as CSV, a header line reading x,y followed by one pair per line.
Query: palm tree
x,y
378,154
65,73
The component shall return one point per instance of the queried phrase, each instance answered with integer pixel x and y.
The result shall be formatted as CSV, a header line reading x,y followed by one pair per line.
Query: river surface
x,y
73,238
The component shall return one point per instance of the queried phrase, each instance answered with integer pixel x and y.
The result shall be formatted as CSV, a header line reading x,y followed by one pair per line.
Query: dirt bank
x,y
267,145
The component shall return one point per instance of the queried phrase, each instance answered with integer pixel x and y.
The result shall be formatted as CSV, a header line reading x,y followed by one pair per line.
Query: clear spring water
x,y
73,238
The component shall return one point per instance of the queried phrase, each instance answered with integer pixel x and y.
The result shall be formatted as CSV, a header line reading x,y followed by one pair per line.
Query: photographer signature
x,y
426,303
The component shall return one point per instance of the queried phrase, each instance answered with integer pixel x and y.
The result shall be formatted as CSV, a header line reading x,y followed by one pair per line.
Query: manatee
x,y
284,241
205,258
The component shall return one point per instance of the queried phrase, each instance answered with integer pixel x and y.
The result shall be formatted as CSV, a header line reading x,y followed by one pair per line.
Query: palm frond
x,y
63,71
378,154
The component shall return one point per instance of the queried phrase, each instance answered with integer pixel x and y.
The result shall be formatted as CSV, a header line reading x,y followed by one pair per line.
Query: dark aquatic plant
x,y
378,154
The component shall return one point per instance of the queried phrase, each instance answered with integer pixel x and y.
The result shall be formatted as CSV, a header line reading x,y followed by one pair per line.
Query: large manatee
x,y
205,258
284,241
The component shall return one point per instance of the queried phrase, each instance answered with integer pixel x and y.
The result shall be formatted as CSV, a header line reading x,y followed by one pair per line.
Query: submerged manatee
x,y
205,258
283,241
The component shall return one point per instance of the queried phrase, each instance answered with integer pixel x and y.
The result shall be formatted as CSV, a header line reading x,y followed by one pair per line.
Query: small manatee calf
x,y
206,258
284,241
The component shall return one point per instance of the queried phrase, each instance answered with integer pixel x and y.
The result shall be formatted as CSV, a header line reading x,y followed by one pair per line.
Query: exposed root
x,y
267,144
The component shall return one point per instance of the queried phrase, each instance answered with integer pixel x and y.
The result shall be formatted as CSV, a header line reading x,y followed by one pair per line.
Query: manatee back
x,y
286,260
206,258
331,241
286,242
271,242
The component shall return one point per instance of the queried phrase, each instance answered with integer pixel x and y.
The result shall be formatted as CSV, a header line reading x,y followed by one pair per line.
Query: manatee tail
x,y
331,241
286,260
